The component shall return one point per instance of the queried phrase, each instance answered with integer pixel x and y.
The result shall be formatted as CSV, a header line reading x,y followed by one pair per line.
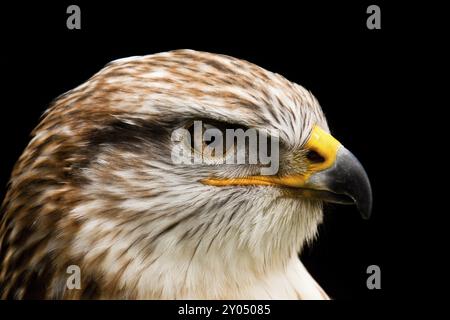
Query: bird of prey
x,y
97,188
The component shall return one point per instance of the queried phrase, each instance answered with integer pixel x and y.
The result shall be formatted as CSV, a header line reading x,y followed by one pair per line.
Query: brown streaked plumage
x,y
96,188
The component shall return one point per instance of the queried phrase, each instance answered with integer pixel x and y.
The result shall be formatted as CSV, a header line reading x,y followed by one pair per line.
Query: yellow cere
x,y
325,145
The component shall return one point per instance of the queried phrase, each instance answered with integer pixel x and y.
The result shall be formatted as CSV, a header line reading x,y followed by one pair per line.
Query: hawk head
x,y
99,186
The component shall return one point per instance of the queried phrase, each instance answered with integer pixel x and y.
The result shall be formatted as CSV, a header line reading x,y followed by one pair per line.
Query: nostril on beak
x,y
314,157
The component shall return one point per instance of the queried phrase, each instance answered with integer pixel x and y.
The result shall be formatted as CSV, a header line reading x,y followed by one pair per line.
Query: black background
x,y
354,73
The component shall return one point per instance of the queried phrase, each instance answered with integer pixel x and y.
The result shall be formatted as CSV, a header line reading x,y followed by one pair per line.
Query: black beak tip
x,y
364,203
358,184
365,210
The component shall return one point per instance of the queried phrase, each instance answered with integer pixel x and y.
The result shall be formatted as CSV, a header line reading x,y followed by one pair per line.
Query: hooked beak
x,y
338,177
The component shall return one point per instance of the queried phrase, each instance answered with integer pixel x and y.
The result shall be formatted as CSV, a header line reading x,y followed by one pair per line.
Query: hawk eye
x,y
212,135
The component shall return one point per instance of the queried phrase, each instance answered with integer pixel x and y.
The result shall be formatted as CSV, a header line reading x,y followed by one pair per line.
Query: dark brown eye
x,y
217,135
314,157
